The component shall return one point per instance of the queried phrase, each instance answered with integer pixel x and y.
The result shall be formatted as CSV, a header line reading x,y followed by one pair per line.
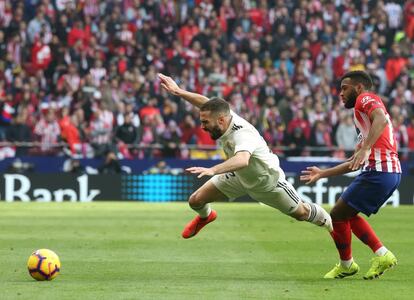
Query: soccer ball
x,y
43,264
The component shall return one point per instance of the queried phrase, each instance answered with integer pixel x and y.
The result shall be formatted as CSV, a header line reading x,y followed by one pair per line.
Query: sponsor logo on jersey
x,y
367,99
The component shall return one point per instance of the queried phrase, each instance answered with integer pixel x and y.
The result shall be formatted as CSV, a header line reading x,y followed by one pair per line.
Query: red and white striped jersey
x,y
384,155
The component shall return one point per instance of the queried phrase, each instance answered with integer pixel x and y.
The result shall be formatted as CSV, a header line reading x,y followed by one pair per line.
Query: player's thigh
x,y
342,211
229,185
283,197
366,194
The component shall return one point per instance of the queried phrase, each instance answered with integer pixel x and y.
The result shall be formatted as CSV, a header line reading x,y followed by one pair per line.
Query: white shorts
x,y
283,196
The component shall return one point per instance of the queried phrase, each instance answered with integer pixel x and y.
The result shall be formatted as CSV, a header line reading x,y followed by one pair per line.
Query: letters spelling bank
x,y
19,187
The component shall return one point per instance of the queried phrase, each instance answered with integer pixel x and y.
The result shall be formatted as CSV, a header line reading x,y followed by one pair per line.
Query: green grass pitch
x,y
119,250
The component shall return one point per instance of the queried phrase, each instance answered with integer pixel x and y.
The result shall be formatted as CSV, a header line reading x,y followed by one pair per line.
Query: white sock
x,y
318,216
347,263
203,211
381,251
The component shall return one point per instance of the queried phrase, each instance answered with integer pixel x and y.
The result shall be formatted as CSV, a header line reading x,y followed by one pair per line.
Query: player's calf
x,y
198,205
315,214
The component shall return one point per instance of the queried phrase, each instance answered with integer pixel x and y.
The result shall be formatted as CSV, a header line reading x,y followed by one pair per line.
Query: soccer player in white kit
x,y
250,169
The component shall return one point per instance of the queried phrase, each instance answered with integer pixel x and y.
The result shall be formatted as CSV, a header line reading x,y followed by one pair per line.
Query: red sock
x,y
361,228
342,237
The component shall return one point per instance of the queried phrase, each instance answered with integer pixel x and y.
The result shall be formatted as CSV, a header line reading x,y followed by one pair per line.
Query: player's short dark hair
x,y
359,77
216,105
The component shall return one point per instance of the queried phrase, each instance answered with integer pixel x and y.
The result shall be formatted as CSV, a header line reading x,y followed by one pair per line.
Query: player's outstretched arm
x,y
237,162
313,174
172,87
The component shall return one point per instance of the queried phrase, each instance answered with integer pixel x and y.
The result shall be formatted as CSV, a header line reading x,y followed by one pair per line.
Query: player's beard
x,y
215,133
351,98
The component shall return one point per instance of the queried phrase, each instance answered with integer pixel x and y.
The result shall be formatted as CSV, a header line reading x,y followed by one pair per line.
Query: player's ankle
x,y
381,251
203,211
346,263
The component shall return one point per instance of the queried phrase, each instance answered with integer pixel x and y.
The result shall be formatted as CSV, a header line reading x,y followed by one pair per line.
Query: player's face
x,y
211,124
349,93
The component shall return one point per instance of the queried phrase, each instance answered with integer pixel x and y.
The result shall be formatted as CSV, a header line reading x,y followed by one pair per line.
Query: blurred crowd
x,y
84,72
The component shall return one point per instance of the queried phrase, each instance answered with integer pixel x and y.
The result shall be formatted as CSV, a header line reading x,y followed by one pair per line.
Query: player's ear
x,y
220,119
359,88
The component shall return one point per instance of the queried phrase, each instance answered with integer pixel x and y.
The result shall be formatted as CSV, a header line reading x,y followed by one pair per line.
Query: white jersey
x,y
263,171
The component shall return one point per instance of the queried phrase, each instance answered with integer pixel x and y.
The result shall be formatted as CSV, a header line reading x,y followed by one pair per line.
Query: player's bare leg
x,y
199,202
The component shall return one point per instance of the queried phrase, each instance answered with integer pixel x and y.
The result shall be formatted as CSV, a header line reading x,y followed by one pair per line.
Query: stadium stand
x,y
79,77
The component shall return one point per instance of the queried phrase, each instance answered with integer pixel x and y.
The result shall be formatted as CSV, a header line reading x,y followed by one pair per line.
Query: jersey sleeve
x,y
245,141
368,103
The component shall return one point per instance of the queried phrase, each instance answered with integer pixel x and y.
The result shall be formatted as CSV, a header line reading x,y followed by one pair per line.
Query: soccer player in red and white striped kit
x,y
376,155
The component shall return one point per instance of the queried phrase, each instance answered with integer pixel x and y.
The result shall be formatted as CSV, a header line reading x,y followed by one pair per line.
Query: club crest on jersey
x,y
228,148
230,145
360,137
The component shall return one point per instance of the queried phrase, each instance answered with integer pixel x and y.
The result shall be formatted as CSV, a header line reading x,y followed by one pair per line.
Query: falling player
x,y
251,168
377,154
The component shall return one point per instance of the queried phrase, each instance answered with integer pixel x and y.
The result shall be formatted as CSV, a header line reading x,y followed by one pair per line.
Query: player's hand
x,y
350,158
311,175
169,84
201,171
359,158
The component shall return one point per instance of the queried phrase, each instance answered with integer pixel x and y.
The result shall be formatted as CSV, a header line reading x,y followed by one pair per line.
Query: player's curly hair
x,y
359,77
216,105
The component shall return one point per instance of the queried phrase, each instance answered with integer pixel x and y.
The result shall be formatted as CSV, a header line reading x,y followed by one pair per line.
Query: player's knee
x,y
337,214
195,200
